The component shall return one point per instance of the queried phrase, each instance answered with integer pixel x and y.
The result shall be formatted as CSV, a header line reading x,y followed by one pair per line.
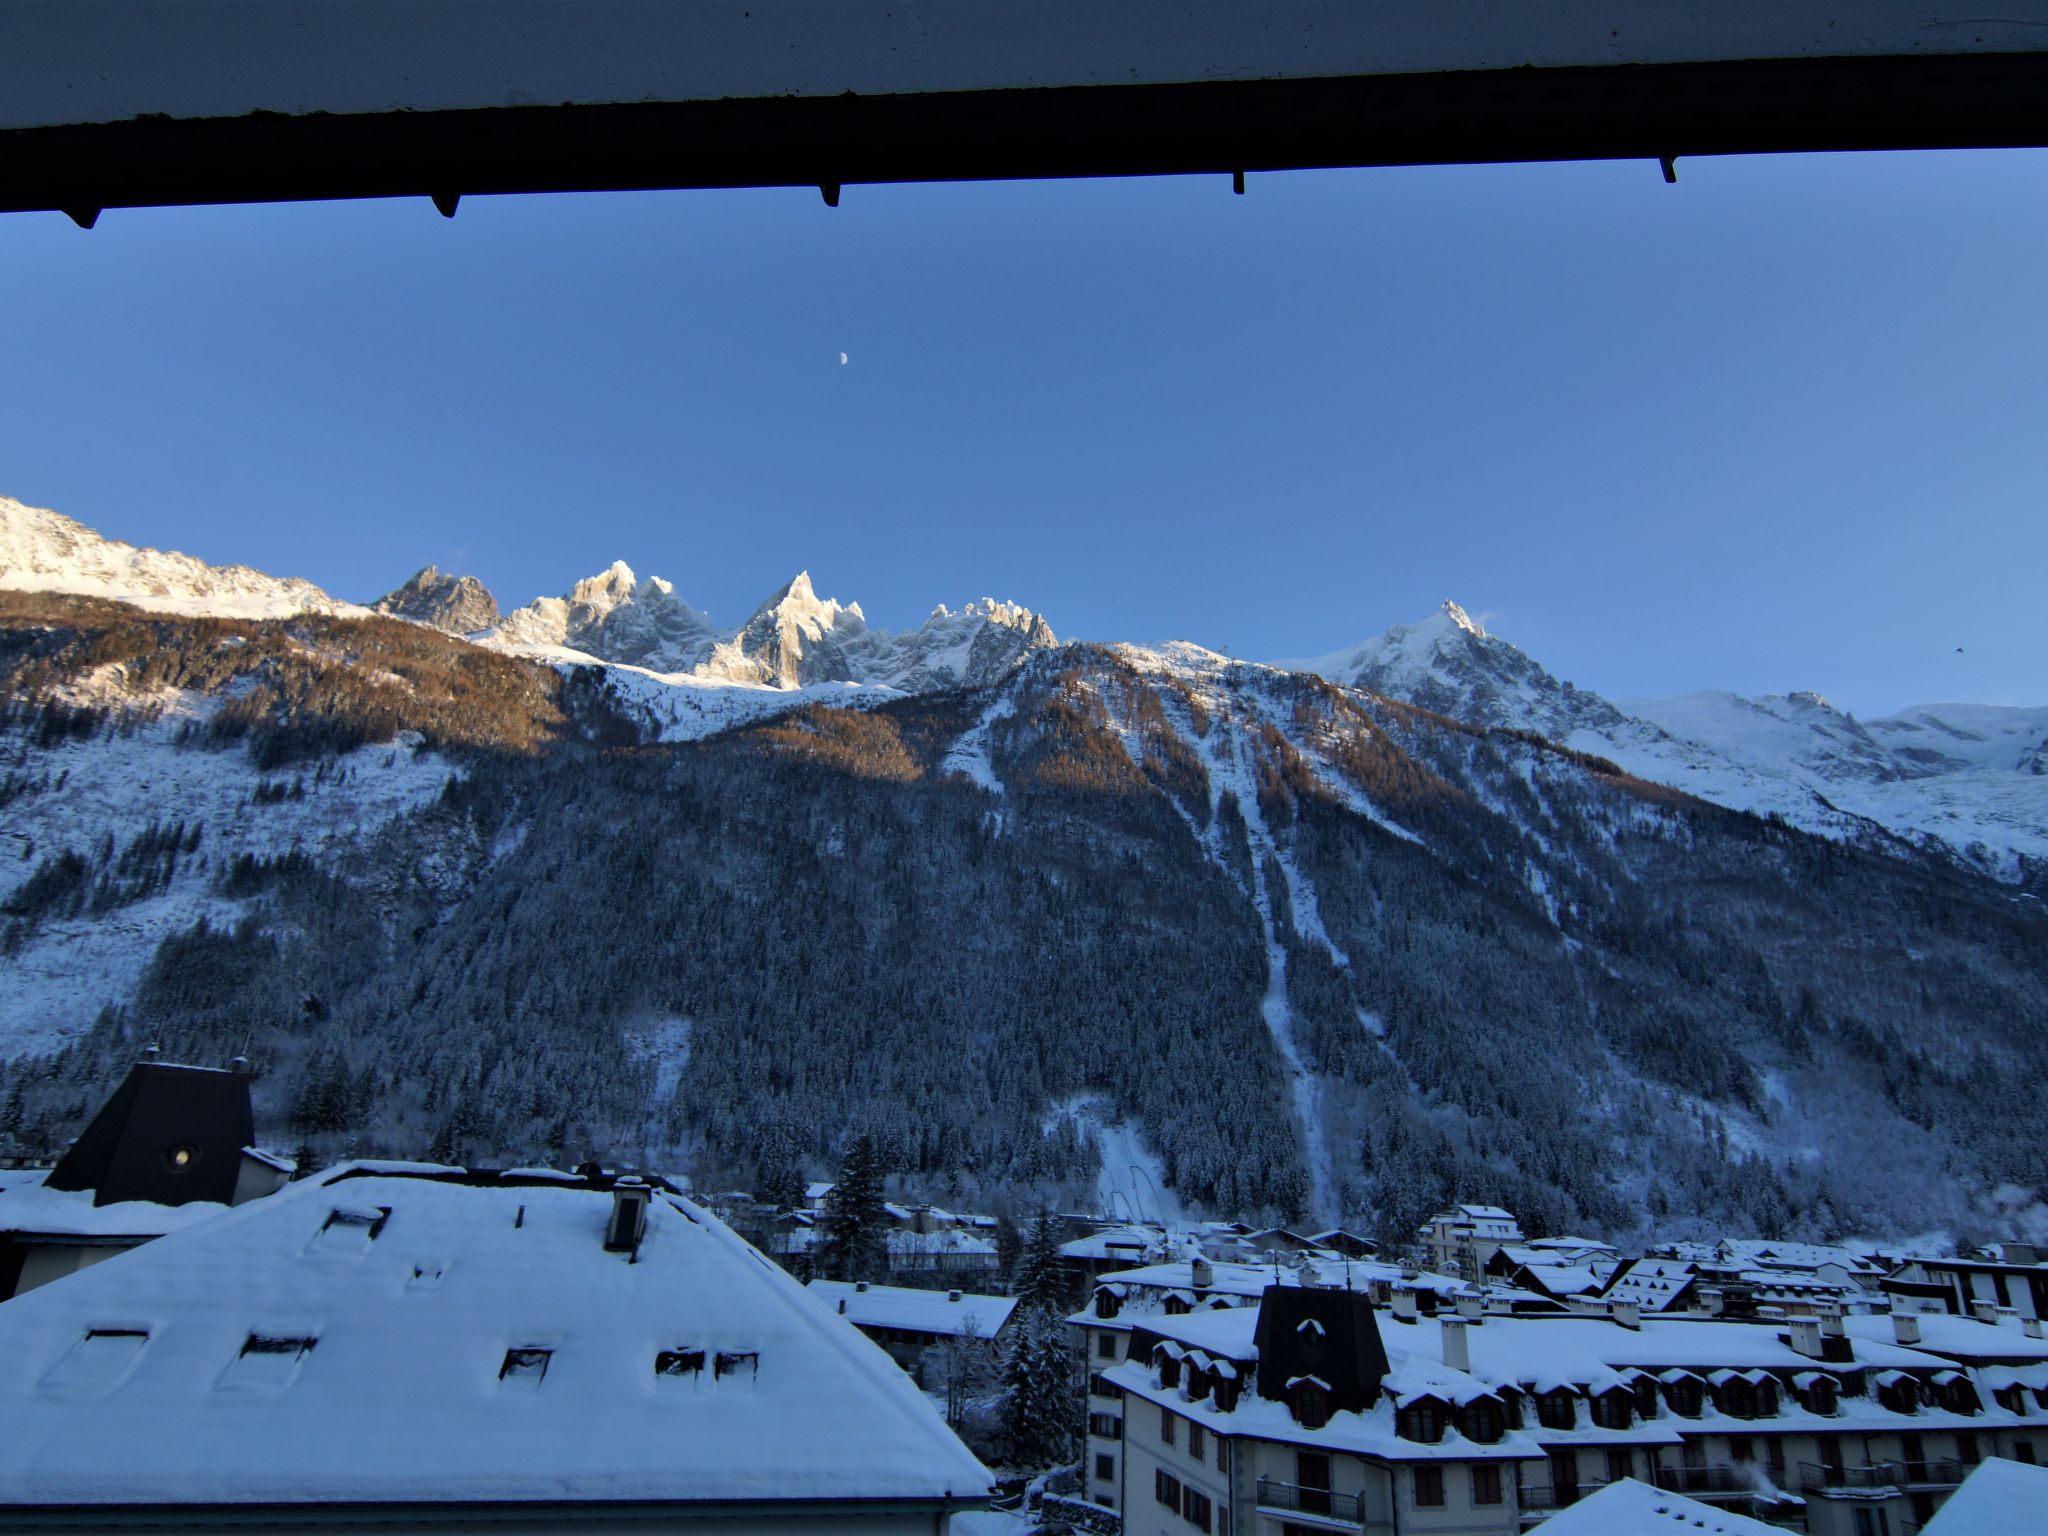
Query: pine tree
x,y
856,1227
1041,1278
1042,1403
782,1180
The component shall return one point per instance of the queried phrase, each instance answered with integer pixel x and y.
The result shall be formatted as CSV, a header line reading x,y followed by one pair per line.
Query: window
x,y
1195,1446
1556,1410
1166,1426
525,1368
1102,1386
1966,1450
1618,1464
101,1358
742,1363
1175,1306
1646,1397
1105,1346
1195,1509
1105,1467
2023,1451
1774,1456
1686,1398
1486,1484
1312,1478
1739,1448
1107,1303
268,1360
1105,1426
1422,1422
1872,1522
1222,1454
679,1364
1311,1406
1485,1421
1613,1410
1429,1487
1166,1488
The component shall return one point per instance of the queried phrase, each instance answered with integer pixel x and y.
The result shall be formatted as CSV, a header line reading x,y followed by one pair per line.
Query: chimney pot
x,y
628,1225
1805,1337
239,1066
1984,1311
1457,1347
860,1285
1628,1313
1404,1306
952,1295
2031,1327
1905,1328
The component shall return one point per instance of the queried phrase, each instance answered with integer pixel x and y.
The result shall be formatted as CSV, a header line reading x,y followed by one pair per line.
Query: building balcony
x,y
1879,1477
1338,1509
1931,1474
1705,1482
1547,1500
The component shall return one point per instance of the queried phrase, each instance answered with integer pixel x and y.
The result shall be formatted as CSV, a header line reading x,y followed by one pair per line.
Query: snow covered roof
x,y
30,1208
951,1313
1960,1338
1632,1508
1998,1498
271,1159
1763,1253
420,1336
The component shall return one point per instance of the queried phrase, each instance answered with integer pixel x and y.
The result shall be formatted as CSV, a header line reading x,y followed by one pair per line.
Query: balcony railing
x,y
1931,1474
1547,1498
1697,1480
1295,1500
1881,1474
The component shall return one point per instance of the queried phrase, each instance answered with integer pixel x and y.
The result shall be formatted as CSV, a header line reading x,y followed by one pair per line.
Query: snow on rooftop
x,y
478,1344
954,1313
28,1206
1632,1508
1998,1498
1943,1333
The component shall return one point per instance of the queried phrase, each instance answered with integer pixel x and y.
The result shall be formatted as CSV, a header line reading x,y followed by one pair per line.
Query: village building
x,y
170,1148
1461,1240
403,1347
1315,1405
2016,1279
907,1322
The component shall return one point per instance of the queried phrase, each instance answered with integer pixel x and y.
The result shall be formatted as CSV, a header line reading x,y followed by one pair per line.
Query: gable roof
x,y
1306,1331
416,1284
1998,1498
954,1314
1632,1508
131,1150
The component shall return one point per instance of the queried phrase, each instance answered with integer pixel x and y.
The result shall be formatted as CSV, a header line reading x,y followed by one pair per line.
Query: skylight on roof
x,y
100,1359
524,1368
268,1362
738,1366
679,1367
348,1231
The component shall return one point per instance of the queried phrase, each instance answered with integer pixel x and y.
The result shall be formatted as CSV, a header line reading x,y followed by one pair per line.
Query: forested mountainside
x,y
1333,955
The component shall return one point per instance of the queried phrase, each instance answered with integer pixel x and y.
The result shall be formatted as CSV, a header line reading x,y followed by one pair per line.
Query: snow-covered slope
x,y
794,640
1973,778
44,551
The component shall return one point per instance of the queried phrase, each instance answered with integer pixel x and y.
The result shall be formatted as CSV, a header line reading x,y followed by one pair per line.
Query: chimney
x,y
1905,1328
1627,1313
842,1306
1201,1274
1471,1306
1805,1337
1713,1301
952,1295
151,1052
1457,1348
1984,1311
860,1285
1404,1306
239,1066
2031,1327
629,1216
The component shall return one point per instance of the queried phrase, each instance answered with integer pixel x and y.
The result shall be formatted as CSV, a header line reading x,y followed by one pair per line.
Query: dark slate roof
x,y
130,1151
1310,1331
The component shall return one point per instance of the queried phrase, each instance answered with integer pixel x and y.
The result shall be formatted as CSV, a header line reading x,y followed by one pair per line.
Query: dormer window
x,y
1821,1397
1176,1305
1738,1399
1557,1410
1687,1397
679,1364
1484,1421
1309,1399
1421,1422
1644,1390
1107,1302
1952,1389
1168,1362
1614,1409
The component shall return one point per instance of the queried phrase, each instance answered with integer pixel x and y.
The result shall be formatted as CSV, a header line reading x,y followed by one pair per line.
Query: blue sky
x,y
1783,425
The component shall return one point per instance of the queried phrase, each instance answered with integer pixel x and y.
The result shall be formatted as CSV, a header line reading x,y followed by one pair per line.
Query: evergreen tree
x,y
782,1179
1041,1278
1042,1402
856,1227
16,1111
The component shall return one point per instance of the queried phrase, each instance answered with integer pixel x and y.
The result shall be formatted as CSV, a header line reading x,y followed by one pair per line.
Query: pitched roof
x,y
1998,1498
168,1135
952,1313
472,1341
1632,1508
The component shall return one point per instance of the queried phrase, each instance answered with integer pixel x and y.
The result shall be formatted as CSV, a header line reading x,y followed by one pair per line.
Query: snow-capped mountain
x,y
1971,777
44,551
795,639
459,605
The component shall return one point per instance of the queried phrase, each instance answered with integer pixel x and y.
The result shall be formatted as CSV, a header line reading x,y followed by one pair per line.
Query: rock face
x,y
795,639
460,605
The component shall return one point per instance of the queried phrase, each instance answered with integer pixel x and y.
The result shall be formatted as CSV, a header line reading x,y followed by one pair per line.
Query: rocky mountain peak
x,y
458,604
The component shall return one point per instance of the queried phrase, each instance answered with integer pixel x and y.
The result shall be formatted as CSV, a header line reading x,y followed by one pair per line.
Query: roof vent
x,y
860,1285
1905,1328
628,1225
952,1295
